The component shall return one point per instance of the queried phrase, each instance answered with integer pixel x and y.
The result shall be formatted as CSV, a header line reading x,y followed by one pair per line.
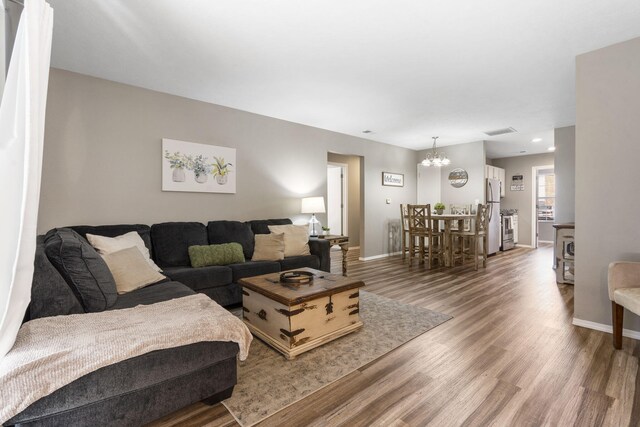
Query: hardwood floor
x,y
510,356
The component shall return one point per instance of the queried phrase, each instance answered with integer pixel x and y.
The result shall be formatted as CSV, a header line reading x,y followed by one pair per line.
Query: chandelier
x,y
434,158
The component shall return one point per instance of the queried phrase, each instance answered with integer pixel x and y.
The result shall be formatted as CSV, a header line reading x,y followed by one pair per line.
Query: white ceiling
x,y
519,144
407,70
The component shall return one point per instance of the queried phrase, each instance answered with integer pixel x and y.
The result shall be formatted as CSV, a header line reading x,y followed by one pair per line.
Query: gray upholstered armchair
x,y
624,292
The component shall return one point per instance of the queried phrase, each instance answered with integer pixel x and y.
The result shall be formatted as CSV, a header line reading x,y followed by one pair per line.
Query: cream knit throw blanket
x,y
52,352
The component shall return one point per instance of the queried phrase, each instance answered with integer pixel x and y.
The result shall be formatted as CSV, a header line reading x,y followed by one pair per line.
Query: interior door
x,y
336,199
428,188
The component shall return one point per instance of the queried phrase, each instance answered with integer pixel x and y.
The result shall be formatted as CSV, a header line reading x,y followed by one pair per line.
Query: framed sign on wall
x,y
517,183
393,179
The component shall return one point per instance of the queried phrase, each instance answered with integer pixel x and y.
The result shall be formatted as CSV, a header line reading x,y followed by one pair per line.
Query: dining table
x,y
448,220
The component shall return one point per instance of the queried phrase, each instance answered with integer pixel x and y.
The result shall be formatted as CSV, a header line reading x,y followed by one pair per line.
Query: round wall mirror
x,y
458,178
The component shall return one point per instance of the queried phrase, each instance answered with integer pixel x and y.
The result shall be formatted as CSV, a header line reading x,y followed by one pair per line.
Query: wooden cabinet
x,y
499,174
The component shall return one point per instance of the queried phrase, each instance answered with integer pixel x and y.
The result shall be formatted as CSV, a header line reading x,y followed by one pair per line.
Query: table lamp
x,y
313,205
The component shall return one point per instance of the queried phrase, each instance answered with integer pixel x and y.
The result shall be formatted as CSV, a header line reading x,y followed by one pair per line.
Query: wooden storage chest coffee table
x,y
294,319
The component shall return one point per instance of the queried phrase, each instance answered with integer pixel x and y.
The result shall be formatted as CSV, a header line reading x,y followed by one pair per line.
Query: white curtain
x,y
21,138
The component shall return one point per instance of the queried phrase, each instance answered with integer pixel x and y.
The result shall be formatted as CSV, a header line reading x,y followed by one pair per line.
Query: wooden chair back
x,y
460,210
482,219
419,218
404,218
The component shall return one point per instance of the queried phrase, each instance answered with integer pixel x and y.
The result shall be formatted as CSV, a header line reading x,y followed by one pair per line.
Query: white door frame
x,y
534,203
345,196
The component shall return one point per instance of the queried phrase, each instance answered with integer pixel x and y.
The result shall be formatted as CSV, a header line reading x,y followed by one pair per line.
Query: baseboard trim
x,y
605,328
369,258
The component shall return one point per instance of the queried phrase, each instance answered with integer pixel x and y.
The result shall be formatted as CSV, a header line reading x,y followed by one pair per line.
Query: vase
x,y
221,179
201,178
439,211
325,232
178,175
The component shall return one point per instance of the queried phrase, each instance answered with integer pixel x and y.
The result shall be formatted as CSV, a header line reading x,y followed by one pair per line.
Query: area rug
x,y
387,325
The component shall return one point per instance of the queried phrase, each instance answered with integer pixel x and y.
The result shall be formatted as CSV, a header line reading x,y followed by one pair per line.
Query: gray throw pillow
x,y
50,294
82,268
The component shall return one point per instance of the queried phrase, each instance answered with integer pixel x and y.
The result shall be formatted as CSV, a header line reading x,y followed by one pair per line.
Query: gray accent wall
x,y
607,156
102,161
565,170
470,157
522,200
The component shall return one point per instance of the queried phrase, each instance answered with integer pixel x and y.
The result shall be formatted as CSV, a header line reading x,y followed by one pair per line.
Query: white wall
x,y
565,170
102,161
607,155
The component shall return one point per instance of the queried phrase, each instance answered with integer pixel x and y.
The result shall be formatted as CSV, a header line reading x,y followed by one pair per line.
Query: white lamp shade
x,y
312,205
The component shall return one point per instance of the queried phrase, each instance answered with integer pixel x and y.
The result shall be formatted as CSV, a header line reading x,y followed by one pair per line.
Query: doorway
x,y
428,185
346,208
544,203
337,198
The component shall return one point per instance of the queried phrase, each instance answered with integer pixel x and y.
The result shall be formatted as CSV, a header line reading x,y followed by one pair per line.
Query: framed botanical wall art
x,y
188,166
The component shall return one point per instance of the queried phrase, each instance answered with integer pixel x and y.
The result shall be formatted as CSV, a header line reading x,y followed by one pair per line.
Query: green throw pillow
x,y
226,253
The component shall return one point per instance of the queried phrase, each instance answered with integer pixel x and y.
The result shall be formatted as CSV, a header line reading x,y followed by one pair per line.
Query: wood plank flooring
x,y
509,357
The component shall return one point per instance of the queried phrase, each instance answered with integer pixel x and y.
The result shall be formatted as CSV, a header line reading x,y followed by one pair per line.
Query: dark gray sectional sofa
x,y
144,388
168,244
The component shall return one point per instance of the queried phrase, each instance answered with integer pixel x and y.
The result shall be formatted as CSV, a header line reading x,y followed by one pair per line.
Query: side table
x,y
343,242
563,250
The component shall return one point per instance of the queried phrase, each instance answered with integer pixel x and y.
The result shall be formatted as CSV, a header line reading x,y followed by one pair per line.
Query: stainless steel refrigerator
x,y
493,204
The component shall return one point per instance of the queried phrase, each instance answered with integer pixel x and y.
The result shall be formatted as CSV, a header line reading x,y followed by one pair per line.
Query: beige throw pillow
x,y
268,247
130,270
107,245
296,238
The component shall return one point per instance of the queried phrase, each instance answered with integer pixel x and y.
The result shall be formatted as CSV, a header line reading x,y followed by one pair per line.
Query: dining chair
x,y
469,240
623,282
406,244
421,231
461,210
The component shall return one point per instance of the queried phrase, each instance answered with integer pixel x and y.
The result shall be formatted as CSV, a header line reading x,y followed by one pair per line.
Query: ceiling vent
x,y
500,131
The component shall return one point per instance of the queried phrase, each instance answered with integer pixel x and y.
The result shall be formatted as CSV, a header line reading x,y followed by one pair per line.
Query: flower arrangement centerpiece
x,y
221,170
439,208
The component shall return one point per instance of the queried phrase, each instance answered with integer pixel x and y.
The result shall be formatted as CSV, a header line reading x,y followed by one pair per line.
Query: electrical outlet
x,y
388,201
